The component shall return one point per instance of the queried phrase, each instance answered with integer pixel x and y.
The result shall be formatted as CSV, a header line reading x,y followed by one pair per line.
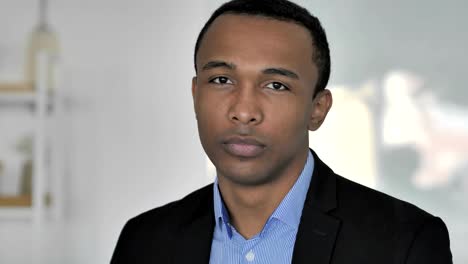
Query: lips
x,y
243,147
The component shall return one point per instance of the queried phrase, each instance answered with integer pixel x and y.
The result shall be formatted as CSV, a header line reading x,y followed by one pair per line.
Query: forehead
x,y
257,40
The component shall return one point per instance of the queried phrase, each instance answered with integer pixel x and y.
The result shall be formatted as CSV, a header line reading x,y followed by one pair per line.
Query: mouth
x,y
243,147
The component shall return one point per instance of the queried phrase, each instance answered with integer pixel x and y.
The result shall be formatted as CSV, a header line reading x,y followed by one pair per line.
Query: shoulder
x,y
175,212
380,219
369,202
353,202
146,237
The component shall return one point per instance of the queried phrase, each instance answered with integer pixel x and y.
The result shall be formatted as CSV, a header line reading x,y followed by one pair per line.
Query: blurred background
x,y
97,123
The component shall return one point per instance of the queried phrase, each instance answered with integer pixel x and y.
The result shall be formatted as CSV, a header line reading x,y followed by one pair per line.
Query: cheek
x,y
210,113
288,118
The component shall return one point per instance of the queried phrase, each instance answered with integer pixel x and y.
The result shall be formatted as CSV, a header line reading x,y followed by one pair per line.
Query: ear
x,y
320,106
194,94
194,87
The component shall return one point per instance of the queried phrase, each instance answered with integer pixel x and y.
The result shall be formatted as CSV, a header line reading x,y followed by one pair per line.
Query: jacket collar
x,y
195,232
318,230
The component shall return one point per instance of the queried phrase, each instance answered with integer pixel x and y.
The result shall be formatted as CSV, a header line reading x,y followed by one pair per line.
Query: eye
x,y
277,86
221,80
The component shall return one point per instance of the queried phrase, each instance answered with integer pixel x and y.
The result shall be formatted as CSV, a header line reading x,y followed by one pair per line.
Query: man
x,y
261,72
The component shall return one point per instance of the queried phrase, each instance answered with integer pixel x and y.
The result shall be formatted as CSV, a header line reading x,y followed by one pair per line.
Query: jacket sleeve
x,y
431,244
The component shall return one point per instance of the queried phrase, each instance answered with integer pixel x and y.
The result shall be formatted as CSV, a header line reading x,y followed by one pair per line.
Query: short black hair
x,y
282,10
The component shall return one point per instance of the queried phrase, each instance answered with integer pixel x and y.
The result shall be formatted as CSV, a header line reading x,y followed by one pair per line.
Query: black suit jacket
x,y
342,222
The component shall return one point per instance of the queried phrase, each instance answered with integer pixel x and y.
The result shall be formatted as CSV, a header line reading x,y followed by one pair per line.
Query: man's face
x,y
253,97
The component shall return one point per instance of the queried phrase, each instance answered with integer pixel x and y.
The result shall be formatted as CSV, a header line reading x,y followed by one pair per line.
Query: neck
x,y
251,206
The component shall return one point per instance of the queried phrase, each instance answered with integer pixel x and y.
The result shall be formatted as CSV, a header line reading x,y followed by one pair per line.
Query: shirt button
x,y
250,256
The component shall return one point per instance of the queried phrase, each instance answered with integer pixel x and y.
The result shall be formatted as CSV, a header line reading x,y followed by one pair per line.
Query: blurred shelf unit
x,y
45,200
16,87
15,207
16,201
23,94
13,93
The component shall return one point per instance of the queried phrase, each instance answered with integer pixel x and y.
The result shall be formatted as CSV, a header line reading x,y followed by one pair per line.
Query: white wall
x,y
132,134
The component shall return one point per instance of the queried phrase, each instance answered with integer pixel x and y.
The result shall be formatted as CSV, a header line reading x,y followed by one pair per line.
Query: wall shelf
x,y
18,96
16,87
16,201
47,147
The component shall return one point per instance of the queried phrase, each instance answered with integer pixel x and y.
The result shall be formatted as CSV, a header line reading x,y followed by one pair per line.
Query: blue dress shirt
x,y
275,243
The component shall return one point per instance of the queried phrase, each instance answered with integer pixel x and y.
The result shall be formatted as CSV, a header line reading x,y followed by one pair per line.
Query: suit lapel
x,y
193,239
316,237
318,230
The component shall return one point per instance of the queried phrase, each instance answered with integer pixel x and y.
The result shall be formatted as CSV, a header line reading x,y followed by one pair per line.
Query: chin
x,y
246,176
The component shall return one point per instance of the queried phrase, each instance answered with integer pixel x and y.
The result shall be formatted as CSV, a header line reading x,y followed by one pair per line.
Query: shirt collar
x,y
289,210
221,214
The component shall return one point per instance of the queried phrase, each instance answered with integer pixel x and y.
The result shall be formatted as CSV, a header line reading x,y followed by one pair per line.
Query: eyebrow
x,y
281,71
231,66
218,64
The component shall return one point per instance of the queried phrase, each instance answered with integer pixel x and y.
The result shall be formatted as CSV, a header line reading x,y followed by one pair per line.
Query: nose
x,y
245,109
